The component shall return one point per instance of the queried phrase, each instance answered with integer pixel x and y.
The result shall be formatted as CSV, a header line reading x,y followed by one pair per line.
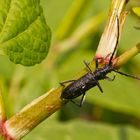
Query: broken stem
x,y
109,36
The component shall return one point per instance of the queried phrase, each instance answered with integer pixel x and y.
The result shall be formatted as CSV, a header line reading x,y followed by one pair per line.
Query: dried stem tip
x,y
109,36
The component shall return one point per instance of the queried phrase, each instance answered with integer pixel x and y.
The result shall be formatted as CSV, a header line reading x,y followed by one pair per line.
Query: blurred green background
x,y
113,115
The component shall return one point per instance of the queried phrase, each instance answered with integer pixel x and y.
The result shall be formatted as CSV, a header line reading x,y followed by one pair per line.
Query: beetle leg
x,y
87,66
96,63
99,86
110,79
65,82
81,101
75,103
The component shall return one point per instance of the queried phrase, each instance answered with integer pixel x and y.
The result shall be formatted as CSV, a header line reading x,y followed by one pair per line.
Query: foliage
x,y
81,130
25,40
114,115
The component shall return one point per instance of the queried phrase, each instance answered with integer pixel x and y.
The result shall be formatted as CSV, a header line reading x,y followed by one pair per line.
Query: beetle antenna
x,y
128,75
118,34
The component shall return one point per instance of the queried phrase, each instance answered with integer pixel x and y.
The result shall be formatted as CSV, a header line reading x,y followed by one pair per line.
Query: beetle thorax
x,y
102,72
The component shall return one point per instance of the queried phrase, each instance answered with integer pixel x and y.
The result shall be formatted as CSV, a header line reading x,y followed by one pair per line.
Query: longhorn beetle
x,y
91,79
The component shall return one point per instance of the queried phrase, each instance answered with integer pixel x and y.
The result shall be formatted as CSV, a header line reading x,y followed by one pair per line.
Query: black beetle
x,y
80,86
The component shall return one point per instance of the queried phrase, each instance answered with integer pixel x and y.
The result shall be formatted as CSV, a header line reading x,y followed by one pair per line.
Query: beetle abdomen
x,y
79,87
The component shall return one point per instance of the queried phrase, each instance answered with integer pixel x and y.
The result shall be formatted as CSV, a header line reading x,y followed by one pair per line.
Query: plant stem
x,y
108,39
126,56
2,110
85,30
136,10
70,18
2,116
34,113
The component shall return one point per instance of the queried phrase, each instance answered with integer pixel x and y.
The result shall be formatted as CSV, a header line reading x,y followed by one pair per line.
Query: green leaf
x,y
81,130
24,34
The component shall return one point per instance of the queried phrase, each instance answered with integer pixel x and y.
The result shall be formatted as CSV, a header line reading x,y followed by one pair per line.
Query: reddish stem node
x,y
104,60
4,132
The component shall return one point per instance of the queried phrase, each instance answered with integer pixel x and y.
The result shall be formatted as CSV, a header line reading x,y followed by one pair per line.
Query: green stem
x,y
2,110
34,113
85,30
136,10
77,8
18,75
126,56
